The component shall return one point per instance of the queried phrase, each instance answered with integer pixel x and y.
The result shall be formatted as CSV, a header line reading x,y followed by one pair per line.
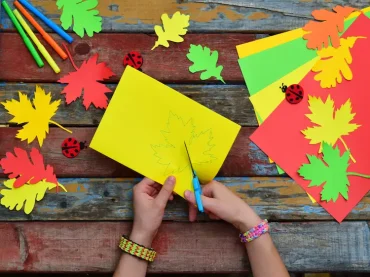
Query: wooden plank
x,y
182,247
112,48
231,101
206,15
277,199
244,159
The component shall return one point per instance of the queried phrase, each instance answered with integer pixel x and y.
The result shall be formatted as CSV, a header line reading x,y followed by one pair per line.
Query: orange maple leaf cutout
x,y
328,27
86,79
25,170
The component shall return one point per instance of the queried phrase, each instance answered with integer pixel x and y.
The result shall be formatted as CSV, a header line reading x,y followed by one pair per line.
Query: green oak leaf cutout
x,y
82,15
330,171
204,60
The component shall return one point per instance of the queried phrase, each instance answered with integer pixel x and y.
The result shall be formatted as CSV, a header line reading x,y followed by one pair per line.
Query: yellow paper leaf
x,y
332,125
173,29
25,196
37,116
161,119
334,63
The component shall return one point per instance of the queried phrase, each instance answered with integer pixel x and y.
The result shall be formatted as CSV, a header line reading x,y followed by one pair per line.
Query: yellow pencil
x,y
41,48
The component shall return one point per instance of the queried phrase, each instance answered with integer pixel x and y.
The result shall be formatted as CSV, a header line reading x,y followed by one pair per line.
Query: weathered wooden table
x,y
79,230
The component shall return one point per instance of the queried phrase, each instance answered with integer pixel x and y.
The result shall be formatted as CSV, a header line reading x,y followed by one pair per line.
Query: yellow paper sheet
x,y
146,124
269,98
260,45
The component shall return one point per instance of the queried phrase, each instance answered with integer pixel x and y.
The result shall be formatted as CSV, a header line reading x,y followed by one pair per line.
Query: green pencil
x,y
26,40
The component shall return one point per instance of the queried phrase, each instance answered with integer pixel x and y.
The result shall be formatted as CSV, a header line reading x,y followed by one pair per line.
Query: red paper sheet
x,y
281,139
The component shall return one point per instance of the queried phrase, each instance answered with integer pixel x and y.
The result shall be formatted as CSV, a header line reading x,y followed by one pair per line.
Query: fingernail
x,y
187,194
171,180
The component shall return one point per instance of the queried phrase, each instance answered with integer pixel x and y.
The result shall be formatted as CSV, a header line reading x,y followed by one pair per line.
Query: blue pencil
x,y
47,21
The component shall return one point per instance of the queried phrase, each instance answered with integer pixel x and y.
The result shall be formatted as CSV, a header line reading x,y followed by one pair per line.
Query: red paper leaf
x,y
25,170
86,79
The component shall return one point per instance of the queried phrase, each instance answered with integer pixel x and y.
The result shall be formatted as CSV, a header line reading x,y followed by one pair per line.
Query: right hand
x,y
221,203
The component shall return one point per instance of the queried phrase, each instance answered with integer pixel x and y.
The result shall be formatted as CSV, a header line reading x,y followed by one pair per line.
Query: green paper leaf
x,y
81,15
331,172
206,61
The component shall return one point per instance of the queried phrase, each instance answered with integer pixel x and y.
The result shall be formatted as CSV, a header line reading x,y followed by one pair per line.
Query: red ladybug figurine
x,y
133,59
293,94
71,147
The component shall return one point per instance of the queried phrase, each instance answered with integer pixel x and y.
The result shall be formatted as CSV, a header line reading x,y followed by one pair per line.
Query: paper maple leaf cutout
x,y
204,61
332,124
86,78
334,63
331,171
173,29
80,13
37,115
25,170
25,196
176,133
328,26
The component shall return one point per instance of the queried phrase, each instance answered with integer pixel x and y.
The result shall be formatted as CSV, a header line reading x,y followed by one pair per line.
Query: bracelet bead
x,y
255,232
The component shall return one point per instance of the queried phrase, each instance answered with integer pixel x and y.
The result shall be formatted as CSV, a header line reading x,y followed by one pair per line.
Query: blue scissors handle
x,y
198,193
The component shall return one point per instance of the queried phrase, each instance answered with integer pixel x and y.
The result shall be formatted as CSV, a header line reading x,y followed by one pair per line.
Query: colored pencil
x,y
44,34
47,21
20,30
36,41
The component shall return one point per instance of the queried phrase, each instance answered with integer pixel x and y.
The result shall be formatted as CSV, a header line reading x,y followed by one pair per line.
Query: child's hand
x,y
221,203
150,200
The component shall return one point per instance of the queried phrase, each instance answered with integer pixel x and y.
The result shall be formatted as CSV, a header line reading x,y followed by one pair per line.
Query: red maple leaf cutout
x,y
86,79
25,170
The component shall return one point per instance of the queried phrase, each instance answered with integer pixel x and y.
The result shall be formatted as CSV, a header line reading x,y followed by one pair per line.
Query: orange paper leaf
x,y
327,27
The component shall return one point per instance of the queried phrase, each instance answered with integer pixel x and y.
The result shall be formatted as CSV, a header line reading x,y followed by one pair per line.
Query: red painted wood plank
x,y
244,159
165,64
182,247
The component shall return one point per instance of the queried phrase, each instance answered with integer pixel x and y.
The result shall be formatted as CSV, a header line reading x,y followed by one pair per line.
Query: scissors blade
x,y
191,165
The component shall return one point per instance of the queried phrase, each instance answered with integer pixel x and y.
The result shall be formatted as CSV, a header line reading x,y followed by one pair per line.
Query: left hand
x,y
150,200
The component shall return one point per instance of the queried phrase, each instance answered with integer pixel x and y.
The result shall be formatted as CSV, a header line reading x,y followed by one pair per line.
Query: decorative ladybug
x,y
133,59
71,147
293,94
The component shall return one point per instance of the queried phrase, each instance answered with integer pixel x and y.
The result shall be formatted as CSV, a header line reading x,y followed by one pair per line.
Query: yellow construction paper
x,y
311,198
145,127
260,45
25,196
268,99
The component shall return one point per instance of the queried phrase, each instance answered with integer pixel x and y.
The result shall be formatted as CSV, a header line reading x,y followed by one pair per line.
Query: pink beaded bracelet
x,y
255,232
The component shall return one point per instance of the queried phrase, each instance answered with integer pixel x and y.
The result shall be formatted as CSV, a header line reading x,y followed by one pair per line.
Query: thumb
x,y
166,190
209,204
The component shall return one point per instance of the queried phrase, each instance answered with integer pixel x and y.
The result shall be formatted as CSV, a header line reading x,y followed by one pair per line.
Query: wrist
x,y
247,220
141,237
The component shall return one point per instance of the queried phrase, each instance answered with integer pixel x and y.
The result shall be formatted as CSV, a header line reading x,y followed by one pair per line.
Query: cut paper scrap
x,y
334,63
312,199
204,60
19,166
289,147
151,141
82,15
330,125
173,29
330,172
86,79
327,28
26,196
37,115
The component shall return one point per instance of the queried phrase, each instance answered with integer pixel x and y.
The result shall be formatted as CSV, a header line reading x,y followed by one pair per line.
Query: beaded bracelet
x,y
255,232
137,250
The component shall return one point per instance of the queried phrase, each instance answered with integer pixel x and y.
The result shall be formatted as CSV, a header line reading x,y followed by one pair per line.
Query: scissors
x,y
196,185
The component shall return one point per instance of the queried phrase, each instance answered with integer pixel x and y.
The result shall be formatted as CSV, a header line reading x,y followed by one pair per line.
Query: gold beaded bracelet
x,y
137,250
